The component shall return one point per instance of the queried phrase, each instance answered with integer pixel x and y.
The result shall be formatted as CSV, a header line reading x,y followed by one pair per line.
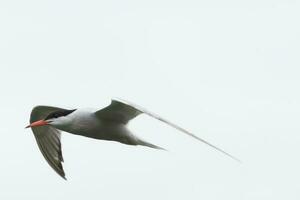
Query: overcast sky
x,y
228,71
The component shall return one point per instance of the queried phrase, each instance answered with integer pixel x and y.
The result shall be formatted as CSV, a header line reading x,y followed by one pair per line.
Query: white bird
x,y
109,123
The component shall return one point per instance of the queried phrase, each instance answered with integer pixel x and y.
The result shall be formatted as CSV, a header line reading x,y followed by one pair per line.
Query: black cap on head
x,y
59,113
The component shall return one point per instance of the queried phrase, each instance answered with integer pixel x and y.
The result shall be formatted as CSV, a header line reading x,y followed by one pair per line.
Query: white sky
x,y
226,70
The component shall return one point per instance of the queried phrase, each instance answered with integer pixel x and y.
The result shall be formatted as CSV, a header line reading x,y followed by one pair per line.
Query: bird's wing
x,y
123,111
48,139
118,111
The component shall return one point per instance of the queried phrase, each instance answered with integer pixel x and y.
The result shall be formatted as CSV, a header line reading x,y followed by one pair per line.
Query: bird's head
x,y
56,118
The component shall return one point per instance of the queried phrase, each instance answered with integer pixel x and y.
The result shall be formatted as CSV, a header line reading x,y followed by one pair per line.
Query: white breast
x,y
80,122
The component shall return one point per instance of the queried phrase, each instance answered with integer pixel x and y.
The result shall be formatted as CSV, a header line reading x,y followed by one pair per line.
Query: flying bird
x,y
109,123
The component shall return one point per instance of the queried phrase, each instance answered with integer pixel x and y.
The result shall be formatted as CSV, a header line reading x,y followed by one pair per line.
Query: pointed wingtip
x,y
236,159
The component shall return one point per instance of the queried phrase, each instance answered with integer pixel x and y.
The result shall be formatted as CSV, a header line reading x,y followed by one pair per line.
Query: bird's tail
x,y
147,144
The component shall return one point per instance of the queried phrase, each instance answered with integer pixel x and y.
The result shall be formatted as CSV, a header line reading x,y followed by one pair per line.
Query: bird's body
x,y
85,122
109,123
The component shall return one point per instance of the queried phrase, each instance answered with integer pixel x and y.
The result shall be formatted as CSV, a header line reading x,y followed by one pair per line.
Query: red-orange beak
x,y
38,123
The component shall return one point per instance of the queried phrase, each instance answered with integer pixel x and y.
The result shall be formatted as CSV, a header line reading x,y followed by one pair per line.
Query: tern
x,y
109,123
